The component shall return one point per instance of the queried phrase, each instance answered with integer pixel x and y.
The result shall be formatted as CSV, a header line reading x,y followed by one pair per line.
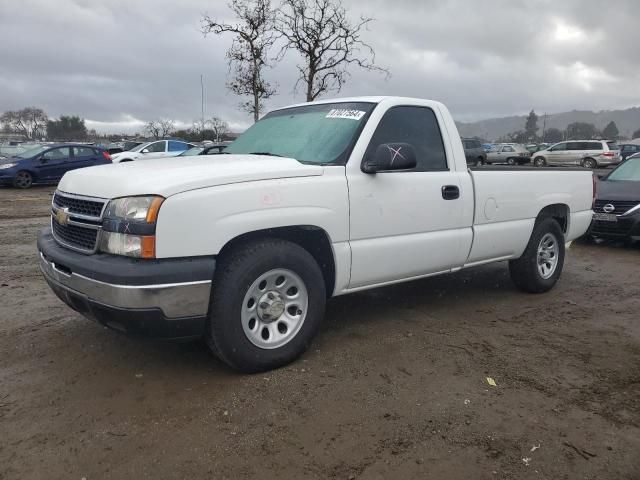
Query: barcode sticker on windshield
x,y
345,113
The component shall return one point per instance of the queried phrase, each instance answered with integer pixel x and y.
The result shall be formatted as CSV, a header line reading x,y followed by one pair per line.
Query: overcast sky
x,y
117,63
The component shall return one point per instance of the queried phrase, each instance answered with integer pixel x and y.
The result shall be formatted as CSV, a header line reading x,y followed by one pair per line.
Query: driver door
x,y
402,223
51,163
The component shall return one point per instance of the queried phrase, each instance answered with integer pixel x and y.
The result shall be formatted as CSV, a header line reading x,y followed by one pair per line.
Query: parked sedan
x,y
511,154
617,205
628,149
48,163
156,149
206,150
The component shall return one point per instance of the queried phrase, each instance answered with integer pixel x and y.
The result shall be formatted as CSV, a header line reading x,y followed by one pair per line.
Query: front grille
x,y
74,236
621,206
80,206
80,229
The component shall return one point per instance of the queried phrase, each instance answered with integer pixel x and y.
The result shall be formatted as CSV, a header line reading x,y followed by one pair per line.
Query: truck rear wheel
x,y
540,266
267,303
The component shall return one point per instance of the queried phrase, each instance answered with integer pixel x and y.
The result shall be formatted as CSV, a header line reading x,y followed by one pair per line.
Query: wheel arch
x,y
560,212
312,238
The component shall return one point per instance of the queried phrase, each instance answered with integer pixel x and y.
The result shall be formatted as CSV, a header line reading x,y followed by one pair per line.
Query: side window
x,y
559,147
476,144
83,152
416,126
574,146
508,148
177,146
157,147
594,146
58,154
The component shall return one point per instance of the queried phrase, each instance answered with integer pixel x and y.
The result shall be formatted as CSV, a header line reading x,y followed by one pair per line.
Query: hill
x,y
627,121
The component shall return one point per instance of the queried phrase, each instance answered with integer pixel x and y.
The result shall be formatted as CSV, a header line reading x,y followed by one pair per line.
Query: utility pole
x,y
202,104
544,126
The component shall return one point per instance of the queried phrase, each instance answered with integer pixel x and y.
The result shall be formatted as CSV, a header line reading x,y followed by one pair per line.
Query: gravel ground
x,y
395,384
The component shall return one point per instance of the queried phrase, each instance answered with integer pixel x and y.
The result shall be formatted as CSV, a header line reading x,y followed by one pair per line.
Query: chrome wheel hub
x,y
270,306
548,251
274,308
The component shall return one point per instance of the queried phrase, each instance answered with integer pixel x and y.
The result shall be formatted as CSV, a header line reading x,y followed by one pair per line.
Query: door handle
x,y
450,192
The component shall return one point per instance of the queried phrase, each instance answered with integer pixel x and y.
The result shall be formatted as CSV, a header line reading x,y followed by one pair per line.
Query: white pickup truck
x,y
313,201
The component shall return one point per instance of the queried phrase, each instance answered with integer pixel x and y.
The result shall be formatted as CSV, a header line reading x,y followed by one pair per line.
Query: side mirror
x,y
145,150
390,157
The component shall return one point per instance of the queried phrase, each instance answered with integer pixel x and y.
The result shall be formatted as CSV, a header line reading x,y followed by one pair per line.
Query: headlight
x,y
7,165
129,226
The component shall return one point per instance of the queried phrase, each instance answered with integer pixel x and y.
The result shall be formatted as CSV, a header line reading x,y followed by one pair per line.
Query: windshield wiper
x,y
268,154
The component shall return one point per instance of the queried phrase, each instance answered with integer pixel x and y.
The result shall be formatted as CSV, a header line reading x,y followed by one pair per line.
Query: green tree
x,y
581,131
553,135
531,127
66,128
611,132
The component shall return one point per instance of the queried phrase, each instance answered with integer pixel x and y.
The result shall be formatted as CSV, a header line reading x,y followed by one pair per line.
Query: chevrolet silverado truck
x,y
313,201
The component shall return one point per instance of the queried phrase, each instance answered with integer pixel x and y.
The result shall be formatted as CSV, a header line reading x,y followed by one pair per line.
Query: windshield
x,y
628,171
317,134
191,152
32,152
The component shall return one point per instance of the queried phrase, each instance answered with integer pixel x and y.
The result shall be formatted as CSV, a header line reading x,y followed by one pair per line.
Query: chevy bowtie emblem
x,y
62,216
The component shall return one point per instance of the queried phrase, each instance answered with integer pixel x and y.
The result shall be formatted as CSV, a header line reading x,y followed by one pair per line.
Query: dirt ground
x,y
395,385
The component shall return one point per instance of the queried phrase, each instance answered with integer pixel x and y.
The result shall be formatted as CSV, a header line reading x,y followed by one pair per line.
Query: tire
x,y
539,162
589,163
23,179
242,310
527,272
479,162
511,161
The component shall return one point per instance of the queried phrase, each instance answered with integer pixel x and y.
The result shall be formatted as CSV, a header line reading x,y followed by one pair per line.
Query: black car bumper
x,y
164,298
625,227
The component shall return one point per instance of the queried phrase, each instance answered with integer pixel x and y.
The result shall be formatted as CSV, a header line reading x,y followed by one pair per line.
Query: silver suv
x,y
588,153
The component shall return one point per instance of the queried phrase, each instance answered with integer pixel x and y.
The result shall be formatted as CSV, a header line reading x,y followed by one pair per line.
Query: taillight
x,y
107,156
608,154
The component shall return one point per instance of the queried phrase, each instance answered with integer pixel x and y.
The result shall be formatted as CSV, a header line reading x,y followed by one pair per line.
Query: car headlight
x,y
7,165
129,226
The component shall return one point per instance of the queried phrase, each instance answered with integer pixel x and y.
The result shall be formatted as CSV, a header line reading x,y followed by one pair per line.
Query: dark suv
x,y
474,152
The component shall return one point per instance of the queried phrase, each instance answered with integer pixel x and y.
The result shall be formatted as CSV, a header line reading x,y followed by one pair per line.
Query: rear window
x,y
612,145
594,146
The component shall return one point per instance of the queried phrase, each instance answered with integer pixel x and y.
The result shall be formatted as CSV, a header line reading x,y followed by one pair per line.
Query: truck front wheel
x,y
267,303
540,266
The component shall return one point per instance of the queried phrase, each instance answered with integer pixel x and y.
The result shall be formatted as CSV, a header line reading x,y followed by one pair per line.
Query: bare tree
x,y
30,122
159,128
253,36
328,42
166,126
152,129
219,127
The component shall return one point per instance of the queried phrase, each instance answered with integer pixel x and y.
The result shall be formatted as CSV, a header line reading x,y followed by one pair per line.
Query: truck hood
x,y
618,190
168,176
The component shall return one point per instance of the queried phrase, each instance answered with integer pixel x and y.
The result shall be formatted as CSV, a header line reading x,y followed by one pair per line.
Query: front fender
x,y
202,221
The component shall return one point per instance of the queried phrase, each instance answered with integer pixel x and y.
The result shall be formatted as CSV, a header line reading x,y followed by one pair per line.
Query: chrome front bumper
x,y
175,300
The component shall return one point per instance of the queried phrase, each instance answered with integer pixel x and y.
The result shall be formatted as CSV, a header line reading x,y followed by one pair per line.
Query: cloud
x,y
119,63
